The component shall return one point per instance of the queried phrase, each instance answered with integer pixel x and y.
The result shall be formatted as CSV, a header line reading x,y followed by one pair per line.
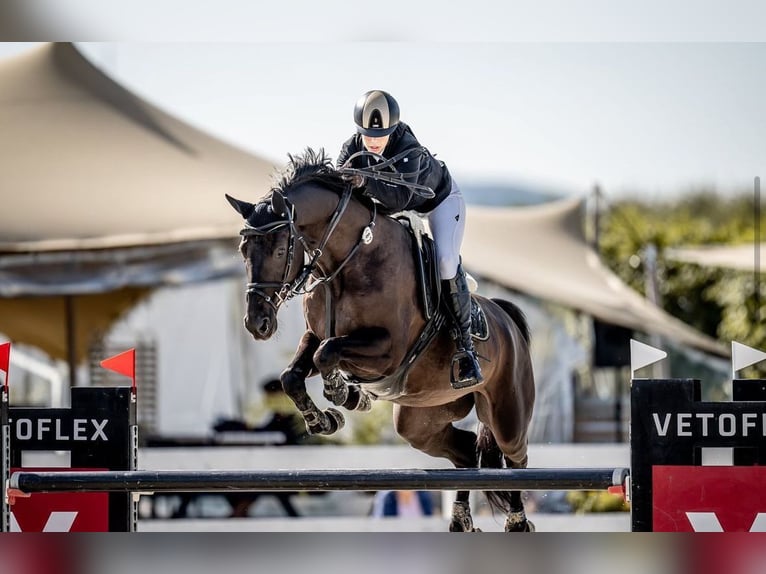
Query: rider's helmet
x,y
376,114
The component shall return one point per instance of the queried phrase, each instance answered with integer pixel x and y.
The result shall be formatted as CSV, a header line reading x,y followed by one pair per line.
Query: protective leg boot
x,y
465,361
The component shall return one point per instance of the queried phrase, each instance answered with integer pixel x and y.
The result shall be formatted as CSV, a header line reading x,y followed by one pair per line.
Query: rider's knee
x,y
448,265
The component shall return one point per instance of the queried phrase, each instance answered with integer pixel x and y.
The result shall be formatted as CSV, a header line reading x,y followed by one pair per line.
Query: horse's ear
x,y
244,208
279,204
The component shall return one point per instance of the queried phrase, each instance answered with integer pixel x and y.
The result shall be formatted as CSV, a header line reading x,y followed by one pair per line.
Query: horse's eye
x,y
280,253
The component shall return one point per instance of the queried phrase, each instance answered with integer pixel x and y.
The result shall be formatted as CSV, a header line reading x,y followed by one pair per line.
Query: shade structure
x,y
542,251
103,197
747,257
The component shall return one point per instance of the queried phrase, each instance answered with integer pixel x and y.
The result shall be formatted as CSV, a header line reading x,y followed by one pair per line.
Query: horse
x,y
367,334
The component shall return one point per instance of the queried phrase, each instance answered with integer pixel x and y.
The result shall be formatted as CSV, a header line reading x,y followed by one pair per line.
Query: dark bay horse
x,y
364,319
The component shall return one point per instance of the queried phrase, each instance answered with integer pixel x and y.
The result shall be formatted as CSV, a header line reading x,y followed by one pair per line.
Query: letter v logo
x,y
57,522
708,522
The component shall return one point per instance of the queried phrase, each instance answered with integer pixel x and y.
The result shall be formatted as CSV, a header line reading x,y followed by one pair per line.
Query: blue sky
x,y
654,118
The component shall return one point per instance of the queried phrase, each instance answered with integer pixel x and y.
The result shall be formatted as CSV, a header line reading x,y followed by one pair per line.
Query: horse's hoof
x,y
357,399
325,423
337,395
457,527
337,420
365,401
461,518
519,525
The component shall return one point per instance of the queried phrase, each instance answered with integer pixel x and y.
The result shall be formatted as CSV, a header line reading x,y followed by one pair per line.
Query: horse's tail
x,y
490,456
517,315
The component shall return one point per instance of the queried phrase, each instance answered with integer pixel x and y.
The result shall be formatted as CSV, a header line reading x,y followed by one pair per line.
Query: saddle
x,y
428,278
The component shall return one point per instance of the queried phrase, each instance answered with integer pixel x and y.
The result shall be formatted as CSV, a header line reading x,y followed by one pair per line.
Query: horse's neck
x,y
315,208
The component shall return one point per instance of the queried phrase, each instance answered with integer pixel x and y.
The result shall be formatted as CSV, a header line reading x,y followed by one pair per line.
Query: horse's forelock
x,y
309,167
262,214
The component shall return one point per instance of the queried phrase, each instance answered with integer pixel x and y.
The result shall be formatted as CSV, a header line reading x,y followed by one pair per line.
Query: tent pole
x,y
71,339
757,249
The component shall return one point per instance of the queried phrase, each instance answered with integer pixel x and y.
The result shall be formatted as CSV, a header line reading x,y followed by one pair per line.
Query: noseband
x,y
286,289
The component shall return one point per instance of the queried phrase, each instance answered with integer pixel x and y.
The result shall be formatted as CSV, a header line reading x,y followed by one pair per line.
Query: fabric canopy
x,y
104,196
737,257
542,251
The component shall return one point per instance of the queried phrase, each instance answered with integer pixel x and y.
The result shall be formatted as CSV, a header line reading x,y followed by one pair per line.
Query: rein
x,y
300,285
395,177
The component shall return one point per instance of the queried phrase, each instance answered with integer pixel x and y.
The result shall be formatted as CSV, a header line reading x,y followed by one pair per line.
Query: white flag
x,y
743,356
642,355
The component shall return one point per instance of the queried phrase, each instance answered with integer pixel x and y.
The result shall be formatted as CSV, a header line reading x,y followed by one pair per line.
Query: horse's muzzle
x,y
261,326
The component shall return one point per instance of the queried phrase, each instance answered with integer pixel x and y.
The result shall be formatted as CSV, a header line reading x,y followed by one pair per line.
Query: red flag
x,y
5,360
124,363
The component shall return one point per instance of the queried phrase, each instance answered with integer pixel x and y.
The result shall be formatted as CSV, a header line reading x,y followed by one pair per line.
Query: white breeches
x,y
447,223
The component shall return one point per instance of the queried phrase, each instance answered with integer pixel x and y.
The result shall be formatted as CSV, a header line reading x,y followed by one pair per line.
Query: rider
x,y
379,131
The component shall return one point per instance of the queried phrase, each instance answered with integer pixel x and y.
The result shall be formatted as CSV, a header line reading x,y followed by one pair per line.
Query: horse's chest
x,y
347,313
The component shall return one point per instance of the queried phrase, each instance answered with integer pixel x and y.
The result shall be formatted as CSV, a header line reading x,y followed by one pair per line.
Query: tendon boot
x,y
464,361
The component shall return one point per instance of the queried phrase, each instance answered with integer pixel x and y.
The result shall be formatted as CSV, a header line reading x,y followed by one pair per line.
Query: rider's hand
x,y
356,180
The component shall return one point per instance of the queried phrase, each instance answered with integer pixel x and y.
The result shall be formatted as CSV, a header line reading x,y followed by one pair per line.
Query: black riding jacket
x,y
399,197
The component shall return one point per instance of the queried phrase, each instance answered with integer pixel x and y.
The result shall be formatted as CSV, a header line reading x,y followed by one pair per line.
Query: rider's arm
x,y
397,197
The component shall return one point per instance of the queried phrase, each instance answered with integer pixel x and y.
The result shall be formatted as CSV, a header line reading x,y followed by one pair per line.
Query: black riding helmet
x,y
376,114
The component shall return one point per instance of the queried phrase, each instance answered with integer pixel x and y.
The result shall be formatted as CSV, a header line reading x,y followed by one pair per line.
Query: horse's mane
x,y
309,167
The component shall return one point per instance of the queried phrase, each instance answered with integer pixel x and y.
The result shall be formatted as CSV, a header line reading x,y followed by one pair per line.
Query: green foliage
x,y
374,426
596,501
718,302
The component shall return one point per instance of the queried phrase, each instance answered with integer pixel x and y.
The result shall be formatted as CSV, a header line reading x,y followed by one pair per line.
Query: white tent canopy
x,y
541,250
102,197
737,257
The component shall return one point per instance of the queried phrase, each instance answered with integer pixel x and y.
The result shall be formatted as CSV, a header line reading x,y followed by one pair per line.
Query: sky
x,y
655,119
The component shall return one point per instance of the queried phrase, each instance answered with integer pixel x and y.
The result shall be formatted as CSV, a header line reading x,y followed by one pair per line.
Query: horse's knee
x,y
292,383
325,357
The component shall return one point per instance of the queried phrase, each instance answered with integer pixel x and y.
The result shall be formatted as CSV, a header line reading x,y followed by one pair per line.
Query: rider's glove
x,y
356,180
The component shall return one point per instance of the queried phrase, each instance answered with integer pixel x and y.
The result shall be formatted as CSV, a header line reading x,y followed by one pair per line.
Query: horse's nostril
x,y
263,326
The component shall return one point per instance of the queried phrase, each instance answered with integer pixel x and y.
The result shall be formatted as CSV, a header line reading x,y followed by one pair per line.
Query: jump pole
x,y
322,480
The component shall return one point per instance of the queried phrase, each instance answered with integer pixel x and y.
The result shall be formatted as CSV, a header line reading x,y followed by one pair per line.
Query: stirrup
x,y
465,382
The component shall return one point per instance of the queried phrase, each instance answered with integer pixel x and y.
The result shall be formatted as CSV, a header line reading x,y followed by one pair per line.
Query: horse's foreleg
x,y
364,350
293,380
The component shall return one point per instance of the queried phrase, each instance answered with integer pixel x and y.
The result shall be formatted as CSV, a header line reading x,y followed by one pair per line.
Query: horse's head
x,y
269,248
306,214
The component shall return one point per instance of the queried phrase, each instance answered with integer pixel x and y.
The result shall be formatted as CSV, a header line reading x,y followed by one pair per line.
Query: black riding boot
x,y
458,299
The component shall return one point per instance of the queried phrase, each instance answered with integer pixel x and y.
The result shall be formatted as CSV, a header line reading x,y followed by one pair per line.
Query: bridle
x,y
300,285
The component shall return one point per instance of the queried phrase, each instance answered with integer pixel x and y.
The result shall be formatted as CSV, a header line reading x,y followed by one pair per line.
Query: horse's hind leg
x,y
294,384
504,439
430,430
462,521
517,520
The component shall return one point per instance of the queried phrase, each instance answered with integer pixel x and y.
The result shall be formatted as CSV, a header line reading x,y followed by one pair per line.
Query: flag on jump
x,y
5,361
124,363
642,355
743,356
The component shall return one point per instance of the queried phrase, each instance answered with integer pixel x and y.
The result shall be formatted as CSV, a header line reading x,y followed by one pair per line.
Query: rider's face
x,y
375,145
